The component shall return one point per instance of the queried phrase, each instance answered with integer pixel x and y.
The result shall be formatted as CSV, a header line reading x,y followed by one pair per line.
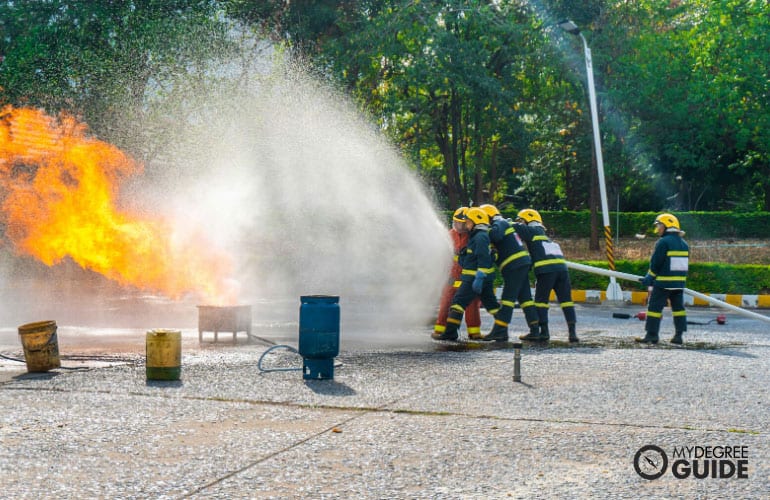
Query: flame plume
x,y
58,190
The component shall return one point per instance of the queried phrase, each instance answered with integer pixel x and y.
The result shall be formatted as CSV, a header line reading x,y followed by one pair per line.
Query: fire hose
x,y
281,346
9,358
693,293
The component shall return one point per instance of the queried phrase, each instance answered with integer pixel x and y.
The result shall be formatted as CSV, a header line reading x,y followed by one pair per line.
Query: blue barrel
x,y
319,334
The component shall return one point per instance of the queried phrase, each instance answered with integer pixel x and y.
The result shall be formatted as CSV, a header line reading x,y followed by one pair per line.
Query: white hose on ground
x,y
634,277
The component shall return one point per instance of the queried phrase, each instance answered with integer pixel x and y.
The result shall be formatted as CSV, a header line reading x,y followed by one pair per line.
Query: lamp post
x,y
614,293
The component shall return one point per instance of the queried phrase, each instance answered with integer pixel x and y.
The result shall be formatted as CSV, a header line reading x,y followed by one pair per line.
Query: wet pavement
x,y
403,417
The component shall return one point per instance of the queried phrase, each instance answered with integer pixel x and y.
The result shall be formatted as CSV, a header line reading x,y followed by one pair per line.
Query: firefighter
x,y
551,273
513,262
459,236
667,276
477,275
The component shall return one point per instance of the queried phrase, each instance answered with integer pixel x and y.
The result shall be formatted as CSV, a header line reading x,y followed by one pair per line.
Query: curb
x,y
640,298
746,301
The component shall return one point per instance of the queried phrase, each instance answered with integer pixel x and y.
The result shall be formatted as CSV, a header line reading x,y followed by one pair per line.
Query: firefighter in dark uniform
x,y
551,273
477,275
667,276
513,262
459,236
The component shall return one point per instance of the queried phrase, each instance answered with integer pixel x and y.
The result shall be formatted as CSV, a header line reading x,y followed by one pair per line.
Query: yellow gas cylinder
x,y
164,354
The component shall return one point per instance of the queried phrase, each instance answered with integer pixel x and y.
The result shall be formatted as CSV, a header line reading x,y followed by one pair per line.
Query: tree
x,y
479,95
118,65
448,81
694,77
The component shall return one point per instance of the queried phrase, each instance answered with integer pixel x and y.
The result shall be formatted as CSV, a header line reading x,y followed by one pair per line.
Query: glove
x,y
648,280
478,281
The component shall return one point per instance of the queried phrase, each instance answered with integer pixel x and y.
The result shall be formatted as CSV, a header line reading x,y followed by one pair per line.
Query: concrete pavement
x,y
404,417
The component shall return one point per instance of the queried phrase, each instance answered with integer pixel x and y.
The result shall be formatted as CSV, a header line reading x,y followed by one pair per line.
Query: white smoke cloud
x,y
313,200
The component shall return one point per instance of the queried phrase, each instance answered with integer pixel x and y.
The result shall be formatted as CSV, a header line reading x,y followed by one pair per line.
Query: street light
x,y
614,293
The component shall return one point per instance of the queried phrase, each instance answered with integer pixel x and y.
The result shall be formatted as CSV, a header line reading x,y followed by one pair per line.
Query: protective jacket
x,y
547,256
670,261
476,255
511,250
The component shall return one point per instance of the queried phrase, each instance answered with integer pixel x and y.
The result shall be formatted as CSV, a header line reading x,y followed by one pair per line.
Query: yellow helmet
x,y
668,221
477,215
530,215
491,210
459,215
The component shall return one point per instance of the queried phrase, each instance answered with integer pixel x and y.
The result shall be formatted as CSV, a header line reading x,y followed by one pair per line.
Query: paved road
x,y
404,417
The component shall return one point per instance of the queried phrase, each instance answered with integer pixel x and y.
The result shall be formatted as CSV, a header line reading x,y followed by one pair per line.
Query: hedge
x,y
747,279
697,225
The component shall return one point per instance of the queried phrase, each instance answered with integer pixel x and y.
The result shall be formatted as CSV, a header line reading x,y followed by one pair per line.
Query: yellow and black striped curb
x,y
600,296
746,301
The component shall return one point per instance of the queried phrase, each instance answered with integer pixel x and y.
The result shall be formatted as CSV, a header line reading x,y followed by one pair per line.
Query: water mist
x,y
312,200
309,198
303,193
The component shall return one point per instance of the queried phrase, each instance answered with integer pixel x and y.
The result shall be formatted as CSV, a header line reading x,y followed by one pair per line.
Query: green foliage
x,y
304,26
487,99
114,64
450,82
697,225
694,77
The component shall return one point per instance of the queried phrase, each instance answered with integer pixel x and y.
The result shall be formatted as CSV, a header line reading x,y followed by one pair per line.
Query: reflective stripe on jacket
x,y
547,256
670,261
477,255
511,250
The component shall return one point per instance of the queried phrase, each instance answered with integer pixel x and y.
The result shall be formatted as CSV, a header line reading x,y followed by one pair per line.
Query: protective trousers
x,y
465,295
472,313
657,302
516,288
558,282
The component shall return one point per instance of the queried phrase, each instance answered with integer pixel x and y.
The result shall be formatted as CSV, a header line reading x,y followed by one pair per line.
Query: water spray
x,y
693,293
242,205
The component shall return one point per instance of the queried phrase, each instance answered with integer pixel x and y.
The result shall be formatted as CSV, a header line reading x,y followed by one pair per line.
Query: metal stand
x,y
614,292
313,369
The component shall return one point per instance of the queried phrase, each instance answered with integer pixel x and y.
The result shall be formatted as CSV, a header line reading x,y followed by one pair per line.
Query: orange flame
x,y
59,188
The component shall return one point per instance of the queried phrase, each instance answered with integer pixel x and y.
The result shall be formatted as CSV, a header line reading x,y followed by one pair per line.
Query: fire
x,y
58,191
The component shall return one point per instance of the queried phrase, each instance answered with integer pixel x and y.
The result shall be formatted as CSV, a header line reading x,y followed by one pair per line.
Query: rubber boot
x,y
572,334
533,335
677,338
544,335
499,333
649,338
449,334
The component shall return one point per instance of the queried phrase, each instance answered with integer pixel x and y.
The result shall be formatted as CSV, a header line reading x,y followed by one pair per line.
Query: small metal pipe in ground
x,y
517,362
